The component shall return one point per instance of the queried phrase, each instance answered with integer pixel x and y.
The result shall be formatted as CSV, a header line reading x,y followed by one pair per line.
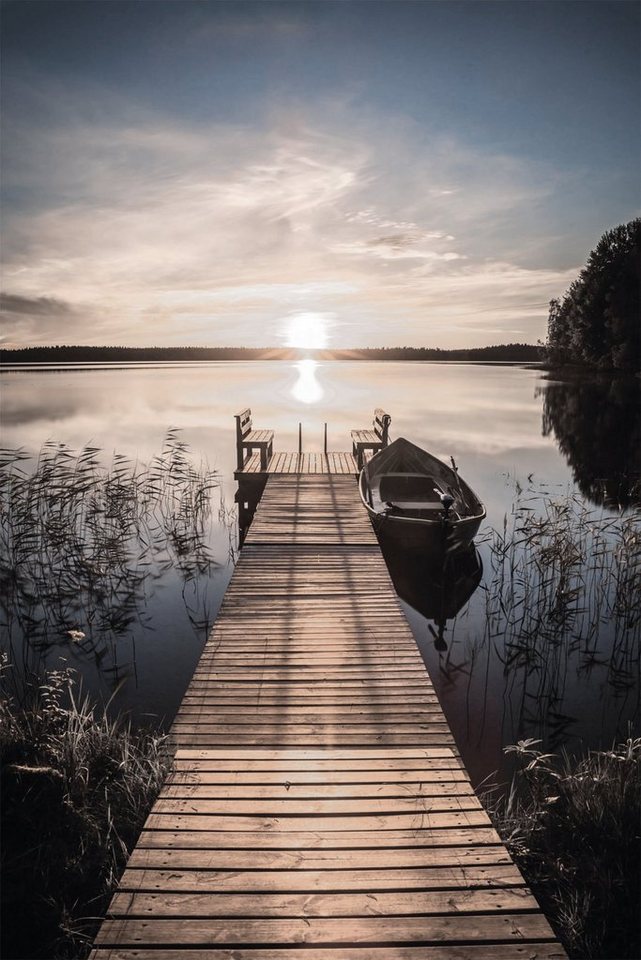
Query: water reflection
x,y
247,497
85,547
436,587
307,389
502,678
597,425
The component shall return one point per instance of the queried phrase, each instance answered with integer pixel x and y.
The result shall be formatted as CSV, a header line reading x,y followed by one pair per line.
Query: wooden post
x,y
325,441
300,439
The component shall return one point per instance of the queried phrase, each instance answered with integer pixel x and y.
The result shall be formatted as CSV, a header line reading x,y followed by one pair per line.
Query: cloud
x,y
28,319
38,306
147,229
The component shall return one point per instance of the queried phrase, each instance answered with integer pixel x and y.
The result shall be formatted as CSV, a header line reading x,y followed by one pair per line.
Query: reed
x,y
82,545
76,789
562,593
574,828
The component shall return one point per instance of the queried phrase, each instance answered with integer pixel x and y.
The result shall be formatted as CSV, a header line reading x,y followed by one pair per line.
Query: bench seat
x,y
369,437
248,440
367,442
258,438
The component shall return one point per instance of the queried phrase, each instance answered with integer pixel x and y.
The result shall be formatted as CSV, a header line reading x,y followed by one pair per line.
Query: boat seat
x,y
416,505
409,489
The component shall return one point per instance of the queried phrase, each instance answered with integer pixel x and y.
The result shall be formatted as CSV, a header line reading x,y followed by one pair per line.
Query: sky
x,y
309,174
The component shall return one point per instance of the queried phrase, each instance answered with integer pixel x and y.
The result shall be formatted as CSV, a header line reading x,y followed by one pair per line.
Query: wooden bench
x,y
248,440
373,440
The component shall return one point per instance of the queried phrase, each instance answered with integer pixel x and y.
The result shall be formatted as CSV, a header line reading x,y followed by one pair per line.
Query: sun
x,y
306,331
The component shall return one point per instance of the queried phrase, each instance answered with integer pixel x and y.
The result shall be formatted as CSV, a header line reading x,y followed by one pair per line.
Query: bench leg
x,y
263,458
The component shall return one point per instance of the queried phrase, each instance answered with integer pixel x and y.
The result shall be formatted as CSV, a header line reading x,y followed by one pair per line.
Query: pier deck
x,y
297,463
317,808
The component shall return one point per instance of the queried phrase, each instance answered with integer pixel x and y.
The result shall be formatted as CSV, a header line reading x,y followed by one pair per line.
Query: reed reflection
x,y
85,547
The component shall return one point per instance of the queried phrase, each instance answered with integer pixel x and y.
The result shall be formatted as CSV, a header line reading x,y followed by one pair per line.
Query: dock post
x,y
300,439
325,441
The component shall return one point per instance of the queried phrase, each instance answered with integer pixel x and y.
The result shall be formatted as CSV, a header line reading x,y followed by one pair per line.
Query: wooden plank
x,y
208,760
393,708
226,699
373,929
329,738
312,674
245,714
292,806
317,859
341,779
445,877
303,729
373,757
272,660
495,951
300,791
295,839
425,903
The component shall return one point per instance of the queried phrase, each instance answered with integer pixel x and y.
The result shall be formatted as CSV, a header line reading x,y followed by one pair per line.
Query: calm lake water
x,y
517,437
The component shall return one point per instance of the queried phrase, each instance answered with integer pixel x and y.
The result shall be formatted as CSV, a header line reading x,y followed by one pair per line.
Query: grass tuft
x,y
76,789
574,828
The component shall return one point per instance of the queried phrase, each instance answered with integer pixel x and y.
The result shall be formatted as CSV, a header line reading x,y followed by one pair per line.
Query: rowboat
x,y
418,500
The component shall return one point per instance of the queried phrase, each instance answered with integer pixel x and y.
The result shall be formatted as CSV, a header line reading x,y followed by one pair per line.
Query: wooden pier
x,y
317,807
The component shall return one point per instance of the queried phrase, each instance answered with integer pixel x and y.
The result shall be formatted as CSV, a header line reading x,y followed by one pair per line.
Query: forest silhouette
x,y
510,352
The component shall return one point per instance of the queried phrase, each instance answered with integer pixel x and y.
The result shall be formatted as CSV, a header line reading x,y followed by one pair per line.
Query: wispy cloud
x,y
149,229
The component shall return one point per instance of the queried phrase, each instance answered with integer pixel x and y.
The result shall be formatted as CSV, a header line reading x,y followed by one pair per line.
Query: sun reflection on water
x,y
307,389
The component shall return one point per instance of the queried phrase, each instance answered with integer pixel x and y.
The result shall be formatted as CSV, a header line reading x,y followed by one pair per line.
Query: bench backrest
x,y
243,424
382,421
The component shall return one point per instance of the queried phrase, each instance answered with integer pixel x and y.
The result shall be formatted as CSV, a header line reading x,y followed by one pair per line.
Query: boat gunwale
x,y
381,515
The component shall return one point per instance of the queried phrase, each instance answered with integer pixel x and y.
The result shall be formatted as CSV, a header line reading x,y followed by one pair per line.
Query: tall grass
x,y
562,593
76,789
81,545
574,828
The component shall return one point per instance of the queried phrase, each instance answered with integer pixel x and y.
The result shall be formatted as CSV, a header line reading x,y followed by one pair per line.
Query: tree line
x,y
598,321
510,352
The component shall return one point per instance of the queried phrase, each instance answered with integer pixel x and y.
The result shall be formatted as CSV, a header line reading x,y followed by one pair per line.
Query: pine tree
x,y
598,321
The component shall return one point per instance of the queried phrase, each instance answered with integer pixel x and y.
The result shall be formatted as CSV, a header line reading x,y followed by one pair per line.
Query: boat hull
x,y
424,536
402,489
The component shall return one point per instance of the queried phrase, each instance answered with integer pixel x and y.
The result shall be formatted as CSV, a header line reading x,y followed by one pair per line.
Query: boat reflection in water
x,y
437,584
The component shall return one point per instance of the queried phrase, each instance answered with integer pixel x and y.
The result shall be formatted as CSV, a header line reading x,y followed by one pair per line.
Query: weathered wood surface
x,y
302,463
317,808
